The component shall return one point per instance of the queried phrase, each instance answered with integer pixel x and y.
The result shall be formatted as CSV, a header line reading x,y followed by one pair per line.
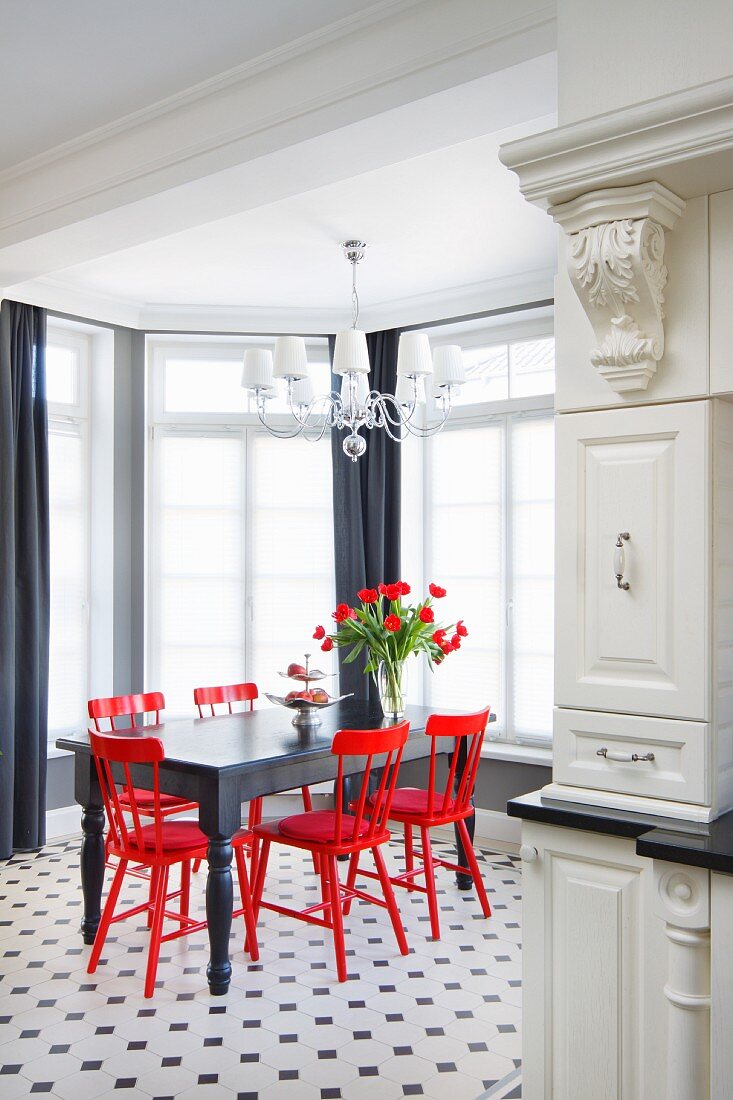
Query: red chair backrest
x,y
472,727
114,748
387,743
126,706
228,693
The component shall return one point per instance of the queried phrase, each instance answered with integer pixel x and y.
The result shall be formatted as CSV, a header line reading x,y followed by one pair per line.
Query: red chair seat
x,y
320,826
177,835
146,800
412,800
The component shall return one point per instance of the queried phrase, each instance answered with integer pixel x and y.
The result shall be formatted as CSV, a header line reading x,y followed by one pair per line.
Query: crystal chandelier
x,y
356,406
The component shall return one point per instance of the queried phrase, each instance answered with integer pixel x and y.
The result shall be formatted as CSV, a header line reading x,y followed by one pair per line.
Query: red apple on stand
x,y
293,696
296,670
318,695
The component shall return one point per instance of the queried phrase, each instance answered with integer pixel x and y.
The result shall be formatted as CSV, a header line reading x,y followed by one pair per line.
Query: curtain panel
x,y
366,506
24,577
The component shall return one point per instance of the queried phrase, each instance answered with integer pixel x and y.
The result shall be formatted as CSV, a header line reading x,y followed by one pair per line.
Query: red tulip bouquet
x,y
390,631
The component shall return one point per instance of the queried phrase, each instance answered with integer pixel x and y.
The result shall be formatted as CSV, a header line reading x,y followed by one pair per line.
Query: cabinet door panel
x,y
641,649
594,965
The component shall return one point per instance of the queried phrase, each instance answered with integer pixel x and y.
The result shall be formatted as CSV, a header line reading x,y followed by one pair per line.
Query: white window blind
x,y
488,537
69,652
69,507
464,553
196,583
292,570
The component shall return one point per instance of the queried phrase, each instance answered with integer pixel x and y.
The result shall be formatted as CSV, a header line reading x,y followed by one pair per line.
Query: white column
x,y
683,903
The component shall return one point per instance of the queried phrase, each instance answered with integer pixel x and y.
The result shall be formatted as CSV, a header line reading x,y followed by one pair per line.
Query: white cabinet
x,y
633,501
594,966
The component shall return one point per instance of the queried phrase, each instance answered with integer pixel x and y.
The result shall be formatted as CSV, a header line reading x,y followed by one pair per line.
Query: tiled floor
x,y
442,1022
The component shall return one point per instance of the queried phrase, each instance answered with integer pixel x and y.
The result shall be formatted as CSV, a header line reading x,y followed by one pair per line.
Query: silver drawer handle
x,y
619,560
625,757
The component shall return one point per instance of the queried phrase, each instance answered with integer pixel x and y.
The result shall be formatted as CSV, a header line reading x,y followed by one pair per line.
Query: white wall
x,y
611,55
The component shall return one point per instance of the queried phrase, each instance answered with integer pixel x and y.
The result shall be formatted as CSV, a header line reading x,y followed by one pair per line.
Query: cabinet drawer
x,y
681,751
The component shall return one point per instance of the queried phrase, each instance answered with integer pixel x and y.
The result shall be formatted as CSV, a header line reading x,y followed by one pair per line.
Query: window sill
x,y
517,754
53,753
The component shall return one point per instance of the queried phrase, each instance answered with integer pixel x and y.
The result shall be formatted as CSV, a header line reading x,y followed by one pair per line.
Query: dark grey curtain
x,y
24,577
366,506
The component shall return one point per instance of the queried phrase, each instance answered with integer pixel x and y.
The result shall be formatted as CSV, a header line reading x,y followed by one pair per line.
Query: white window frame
x,y
66,418
502,740
198,425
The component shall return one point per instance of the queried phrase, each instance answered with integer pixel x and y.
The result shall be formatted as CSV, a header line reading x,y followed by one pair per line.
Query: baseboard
x,y
495,830
65,821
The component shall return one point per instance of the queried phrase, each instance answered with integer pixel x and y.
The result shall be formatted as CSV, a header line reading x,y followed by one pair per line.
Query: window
x,y
67,372
483,504
240,530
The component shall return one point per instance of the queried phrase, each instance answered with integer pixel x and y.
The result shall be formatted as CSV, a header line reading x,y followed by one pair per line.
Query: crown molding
x,y
396,51
683,140
52,293
281,55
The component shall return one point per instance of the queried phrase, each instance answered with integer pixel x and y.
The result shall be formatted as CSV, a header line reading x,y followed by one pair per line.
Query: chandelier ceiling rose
x,y
354,250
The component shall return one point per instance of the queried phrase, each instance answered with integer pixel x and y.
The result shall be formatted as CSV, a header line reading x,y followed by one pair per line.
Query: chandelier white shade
x,y
291,359
350,353
257,370
303,391
356,408
407,394
448,366
413,355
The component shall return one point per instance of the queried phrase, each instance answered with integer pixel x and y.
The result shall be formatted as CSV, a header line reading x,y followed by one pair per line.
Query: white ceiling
x,y
403,154
447,219
70,66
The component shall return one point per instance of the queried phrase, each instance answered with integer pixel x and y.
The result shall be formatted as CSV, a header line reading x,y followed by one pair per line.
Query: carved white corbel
x,y
683,903
615,257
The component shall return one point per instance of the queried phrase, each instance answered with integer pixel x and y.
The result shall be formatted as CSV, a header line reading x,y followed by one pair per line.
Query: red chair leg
x,y
427,854
409,851
337,919
250,929
185,887
156,931
351,880
389,897
260,880
154,874
474,868
196,866
107,915
254,818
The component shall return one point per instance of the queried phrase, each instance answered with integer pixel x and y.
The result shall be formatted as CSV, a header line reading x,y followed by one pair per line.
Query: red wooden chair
x,y
426,809
328,834
210,697
130,706
157,846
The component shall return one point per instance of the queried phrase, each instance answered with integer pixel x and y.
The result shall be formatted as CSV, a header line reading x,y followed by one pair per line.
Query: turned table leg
x,y
219,903
92,856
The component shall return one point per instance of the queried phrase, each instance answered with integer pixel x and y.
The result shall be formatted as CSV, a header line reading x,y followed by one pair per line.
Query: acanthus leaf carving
x,y
615,256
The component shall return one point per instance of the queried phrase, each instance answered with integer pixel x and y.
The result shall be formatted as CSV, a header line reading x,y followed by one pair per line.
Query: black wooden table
x,y
222,762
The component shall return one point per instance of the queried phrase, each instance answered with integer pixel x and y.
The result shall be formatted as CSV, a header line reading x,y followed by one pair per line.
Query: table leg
x,y
219,903
463,882
92,869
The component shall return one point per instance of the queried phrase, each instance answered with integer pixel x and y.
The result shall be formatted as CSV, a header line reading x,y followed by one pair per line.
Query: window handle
x,y
509,610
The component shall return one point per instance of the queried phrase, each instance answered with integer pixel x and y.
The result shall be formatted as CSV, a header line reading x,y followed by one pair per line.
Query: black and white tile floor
x,y
443,1022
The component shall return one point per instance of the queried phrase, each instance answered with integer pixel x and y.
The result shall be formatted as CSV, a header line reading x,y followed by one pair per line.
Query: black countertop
x,y
694,843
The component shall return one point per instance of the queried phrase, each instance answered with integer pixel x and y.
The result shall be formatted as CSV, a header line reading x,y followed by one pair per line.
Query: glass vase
x,y
392,686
